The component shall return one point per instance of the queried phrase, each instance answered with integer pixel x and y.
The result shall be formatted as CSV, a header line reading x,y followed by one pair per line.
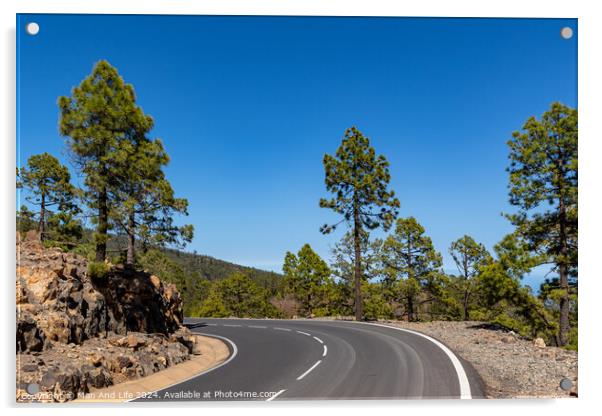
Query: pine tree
x,y
239,296
469,256
98,118
26,220
343,264
48,182
306,276
409,258
543,171
503,297
359,180
213,306
144,201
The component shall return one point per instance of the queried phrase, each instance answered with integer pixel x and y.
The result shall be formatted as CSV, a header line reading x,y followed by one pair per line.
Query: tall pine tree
x,y
543,185
359,180
144,200
98,118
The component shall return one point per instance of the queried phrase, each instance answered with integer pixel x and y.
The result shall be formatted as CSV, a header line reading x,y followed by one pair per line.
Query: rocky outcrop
x,y
58,301
76,333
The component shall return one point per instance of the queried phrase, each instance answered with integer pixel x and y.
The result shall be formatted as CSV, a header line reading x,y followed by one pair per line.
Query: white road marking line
x,y
232,325
212,324
319,340
304,333
234,353
275,395
462,377
308,371
281,329
257,326
325,351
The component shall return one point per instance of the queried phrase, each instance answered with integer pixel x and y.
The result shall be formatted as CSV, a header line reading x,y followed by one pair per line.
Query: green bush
x,y
98,270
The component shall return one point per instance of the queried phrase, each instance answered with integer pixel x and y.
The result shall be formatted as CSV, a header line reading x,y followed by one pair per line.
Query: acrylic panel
x,y
284,208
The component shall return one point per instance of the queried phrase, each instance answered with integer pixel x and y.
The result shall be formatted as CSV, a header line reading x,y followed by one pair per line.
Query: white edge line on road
x,y
462,377
276,395
234,352
319,340
325,351
281,329
308,371
304,333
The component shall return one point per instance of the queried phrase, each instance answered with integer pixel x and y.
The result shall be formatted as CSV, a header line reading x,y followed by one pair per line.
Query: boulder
x,y
539,343
56,326
95,359
134,342
29,336
155,281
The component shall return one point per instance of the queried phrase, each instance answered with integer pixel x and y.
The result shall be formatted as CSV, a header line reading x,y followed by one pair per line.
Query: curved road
x,y
313,359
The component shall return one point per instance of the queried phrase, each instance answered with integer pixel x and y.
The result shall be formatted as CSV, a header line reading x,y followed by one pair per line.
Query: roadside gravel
x,y
510,367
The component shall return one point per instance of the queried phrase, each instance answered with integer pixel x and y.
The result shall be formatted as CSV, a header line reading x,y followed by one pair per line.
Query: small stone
x,y
134,342
95,359
29,368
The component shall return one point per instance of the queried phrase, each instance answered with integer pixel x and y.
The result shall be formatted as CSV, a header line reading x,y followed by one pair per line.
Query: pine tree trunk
x,y
467,283
358,260
411,314
41,224
103,225
131,252
563,271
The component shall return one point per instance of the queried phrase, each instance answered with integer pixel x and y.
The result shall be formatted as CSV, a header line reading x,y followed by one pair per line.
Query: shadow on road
x,y
195,325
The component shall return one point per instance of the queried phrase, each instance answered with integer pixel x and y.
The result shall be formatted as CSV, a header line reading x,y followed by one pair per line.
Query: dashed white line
x,y
232,325
304,333
319,340
275,395
281,329
308,371
257,326
212,324
325,351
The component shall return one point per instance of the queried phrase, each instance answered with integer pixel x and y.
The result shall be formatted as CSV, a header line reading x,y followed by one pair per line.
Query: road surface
x,y
314,359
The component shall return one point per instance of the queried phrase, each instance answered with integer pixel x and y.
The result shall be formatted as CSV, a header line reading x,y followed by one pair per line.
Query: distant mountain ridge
x,y
210,268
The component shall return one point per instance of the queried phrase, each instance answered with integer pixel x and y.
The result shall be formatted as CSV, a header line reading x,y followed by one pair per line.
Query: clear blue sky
x,y
247,107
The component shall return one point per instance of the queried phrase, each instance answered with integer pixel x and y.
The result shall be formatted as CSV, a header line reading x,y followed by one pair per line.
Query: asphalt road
x,y
313,359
